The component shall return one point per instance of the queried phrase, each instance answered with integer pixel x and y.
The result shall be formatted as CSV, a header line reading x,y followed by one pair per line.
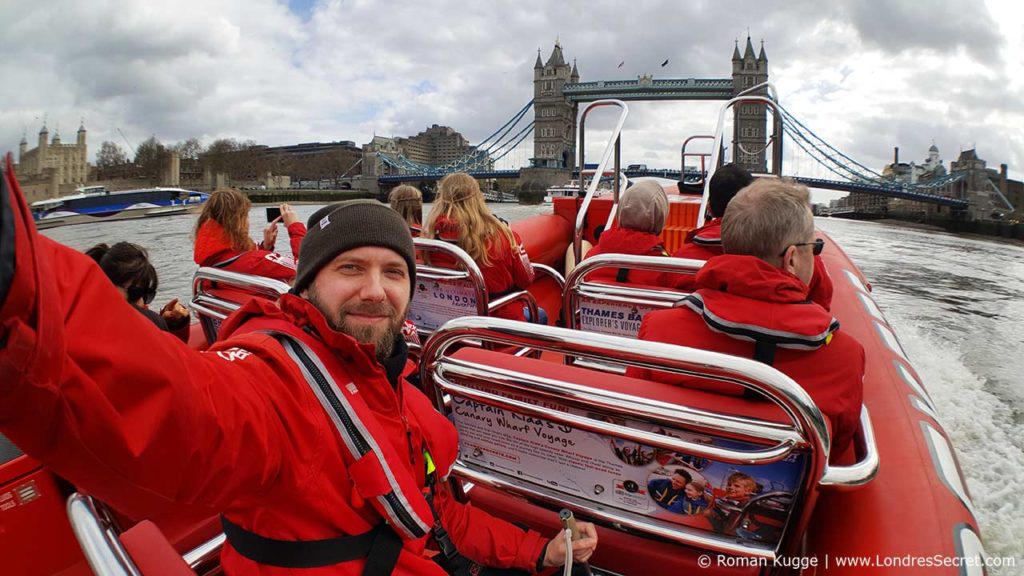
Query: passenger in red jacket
x,y
128,267
222,238
408,202
97,393
706,241
752,302
460,215
642,213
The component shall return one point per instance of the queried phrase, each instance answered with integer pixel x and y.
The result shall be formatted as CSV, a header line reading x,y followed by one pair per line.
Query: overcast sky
x,y
865,76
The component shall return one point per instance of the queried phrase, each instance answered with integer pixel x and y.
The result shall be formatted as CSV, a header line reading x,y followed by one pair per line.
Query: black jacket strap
x,y
380,546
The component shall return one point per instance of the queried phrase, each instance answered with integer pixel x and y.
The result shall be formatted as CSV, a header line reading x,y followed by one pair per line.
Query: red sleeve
x,y
100,395
488,540
522,270
296,232
265,263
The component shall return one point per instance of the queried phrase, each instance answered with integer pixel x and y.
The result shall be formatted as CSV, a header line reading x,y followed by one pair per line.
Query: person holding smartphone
x,y
222,237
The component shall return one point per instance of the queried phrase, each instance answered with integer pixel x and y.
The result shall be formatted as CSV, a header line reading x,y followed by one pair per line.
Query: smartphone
x,y
273,212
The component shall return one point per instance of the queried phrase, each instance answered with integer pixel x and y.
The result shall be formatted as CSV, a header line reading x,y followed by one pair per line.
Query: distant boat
x,y
95,202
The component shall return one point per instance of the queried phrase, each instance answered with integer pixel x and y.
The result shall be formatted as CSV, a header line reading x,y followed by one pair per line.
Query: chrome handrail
x,y
702,155
97,536
258,285
866,468
716,152
614,145
505,388
576,285
468,270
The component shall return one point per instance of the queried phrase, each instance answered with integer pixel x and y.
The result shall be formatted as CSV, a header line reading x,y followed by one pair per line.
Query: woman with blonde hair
x,y
408,202
222,238
461,216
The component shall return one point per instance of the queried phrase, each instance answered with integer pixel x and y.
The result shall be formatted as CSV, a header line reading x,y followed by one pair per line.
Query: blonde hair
x,y
230,209
766,217
408,202
459,199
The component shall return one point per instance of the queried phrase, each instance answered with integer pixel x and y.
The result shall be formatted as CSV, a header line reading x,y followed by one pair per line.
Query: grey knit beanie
x,y
343,226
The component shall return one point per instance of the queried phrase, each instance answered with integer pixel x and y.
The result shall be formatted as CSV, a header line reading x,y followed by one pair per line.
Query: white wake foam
x,y
980,426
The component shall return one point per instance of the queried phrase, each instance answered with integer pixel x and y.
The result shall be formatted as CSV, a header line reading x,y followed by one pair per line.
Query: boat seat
x,y
216,293
450,285
144,548
537,436
615,308
147,546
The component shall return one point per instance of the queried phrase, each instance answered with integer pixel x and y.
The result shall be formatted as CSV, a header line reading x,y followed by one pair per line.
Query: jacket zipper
x,y
362,446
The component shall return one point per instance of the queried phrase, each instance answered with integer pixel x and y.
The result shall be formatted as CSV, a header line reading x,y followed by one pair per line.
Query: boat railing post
x,y
716,152
702,155
614,145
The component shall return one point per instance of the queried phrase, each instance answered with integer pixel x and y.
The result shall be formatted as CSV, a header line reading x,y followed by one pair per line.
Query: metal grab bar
x,y
806,419
468,270
97,535
580,405
716,152
259,285
702,155
614,145
865,469
576,285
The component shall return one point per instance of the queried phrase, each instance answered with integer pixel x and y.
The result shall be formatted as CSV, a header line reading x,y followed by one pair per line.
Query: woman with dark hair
x,y
222,238
128,267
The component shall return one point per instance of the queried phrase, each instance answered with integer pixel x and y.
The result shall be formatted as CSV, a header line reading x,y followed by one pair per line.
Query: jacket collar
x,y
304,315
710,234
628,241
746,298
212,244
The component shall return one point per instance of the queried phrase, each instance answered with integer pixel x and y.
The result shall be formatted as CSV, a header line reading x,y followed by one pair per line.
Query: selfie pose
x,y
222,237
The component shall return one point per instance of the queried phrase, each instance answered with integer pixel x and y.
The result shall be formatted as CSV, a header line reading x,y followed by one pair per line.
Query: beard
x,y
382,337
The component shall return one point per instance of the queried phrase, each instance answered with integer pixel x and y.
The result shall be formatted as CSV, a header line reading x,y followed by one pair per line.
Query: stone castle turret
x,y
554,131
750,120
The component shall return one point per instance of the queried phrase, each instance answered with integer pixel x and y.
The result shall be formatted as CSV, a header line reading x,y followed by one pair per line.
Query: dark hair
x,y
684,473
727,181
127,265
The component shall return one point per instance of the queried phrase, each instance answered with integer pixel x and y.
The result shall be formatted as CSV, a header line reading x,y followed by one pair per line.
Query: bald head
x,y
767,217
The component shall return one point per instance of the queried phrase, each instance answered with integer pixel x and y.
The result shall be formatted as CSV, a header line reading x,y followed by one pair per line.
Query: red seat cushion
x,y
152,553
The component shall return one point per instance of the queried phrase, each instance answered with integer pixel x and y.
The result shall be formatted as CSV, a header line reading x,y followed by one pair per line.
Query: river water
x,y
957,304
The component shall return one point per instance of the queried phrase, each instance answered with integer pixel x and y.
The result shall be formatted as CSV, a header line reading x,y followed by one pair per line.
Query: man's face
x,y
678,482
364,292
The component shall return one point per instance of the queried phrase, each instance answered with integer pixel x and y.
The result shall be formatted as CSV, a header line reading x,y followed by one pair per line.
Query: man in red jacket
x,y
298,426
706,241
752,302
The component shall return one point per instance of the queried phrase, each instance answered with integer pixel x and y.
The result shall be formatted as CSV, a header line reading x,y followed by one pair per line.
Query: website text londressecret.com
x,y
827,561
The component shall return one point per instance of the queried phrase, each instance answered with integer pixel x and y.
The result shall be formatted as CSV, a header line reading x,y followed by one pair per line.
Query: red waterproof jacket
x,y
633,242
213,248
102,397
510,267
706,242
740,298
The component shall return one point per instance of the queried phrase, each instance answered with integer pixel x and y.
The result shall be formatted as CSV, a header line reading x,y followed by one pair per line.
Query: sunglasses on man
x,y
818,244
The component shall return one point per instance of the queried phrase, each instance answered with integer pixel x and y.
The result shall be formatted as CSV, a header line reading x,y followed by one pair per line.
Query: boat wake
x,y
982,430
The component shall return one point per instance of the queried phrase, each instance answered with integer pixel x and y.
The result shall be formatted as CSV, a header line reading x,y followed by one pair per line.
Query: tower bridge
x,y
558,92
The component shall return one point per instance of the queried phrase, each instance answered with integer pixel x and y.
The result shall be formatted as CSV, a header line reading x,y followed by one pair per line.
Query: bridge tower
x,y
749,120
554,129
